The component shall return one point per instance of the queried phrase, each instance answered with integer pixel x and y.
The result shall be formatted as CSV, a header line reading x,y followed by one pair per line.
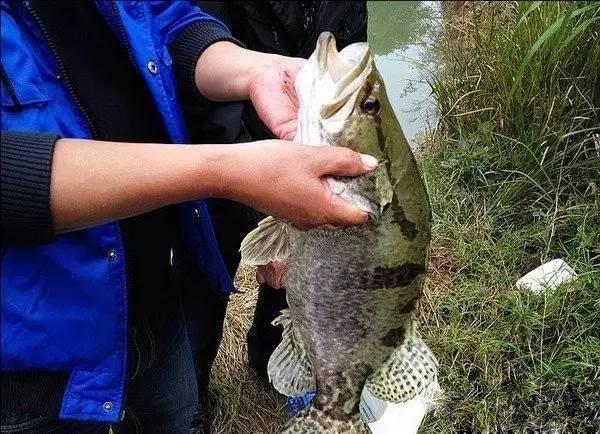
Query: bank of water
x,y
400,36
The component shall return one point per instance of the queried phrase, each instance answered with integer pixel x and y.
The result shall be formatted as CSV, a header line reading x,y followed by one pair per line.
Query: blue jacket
x,y
64,304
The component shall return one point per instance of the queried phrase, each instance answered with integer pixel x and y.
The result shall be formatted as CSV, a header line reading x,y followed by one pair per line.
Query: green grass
x,y
513,171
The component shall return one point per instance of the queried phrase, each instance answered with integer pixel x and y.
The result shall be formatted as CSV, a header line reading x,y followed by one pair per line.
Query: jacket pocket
x,y
19,92
22,84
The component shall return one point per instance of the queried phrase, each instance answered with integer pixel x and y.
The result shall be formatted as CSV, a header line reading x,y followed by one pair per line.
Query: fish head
x,y
342,98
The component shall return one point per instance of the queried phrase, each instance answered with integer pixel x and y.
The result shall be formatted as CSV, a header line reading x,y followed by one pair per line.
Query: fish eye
x,y
371,106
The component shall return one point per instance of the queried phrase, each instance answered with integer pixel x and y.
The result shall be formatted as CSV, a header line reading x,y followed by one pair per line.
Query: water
x,y
400,37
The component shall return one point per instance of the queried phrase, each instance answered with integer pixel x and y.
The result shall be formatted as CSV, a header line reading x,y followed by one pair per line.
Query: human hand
x,y
273,95
287,180
273,274
227,72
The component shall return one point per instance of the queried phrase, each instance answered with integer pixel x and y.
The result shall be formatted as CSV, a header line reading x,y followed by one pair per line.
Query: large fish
x,y
353,293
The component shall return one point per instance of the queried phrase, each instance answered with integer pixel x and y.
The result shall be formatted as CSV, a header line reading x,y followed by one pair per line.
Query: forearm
x,y
84,183
95,182
224,71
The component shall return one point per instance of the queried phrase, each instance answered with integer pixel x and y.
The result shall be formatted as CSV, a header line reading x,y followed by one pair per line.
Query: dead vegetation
x,y
241,402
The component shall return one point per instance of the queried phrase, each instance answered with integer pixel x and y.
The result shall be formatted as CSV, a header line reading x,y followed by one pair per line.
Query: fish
x,y
353,293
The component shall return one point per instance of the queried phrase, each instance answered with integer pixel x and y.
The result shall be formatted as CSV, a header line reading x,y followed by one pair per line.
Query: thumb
x,y
345,162
343,213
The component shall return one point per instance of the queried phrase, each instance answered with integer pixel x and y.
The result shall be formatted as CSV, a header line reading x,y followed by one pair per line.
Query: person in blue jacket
x,y
94,194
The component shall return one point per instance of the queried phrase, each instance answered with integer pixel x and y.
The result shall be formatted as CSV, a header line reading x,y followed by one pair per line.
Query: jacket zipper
x,y
122,32
125,236
93,131
62,69
9,86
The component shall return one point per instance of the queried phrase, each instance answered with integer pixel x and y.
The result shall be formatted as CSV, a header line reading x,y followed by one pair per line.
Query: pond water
x,y
400,37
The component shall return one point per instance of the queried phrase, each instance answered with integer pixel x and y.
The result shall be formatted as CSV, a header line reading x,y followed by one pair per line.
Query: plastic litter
x,y
385,417
547,276
295,404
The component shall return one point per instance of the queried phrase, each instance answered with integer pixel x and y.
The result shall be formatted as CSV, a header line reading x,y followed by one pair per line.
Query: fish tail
x,y
315,421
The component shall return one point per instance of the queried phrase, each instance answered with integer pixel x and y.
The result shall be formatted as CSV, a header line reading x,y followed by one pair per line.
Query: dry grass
x,y
242,402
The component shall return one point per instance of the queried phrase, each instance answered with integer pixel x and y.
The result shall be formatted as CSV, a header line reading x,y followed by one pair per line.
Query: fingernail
x,y
369,161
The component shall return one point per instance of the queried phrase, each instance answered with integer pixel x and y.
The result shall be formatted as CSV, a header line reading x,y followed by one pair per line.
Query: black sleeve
x,y
187,47
25,163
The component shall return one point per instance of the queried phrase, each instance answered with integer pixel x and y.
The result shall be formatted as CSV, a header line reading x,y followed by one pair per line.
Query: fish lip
x,y
340,66
347,70
325,45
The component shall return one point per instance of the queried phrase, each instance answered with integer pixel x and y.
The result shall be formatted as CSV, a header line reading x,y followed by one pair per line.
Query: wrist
x,y
219,171
250,65
226,71
257,64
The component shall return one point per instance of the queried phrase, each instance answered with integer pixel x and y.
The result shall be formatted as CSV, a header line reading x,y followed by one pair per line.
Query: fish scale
x,y
353,293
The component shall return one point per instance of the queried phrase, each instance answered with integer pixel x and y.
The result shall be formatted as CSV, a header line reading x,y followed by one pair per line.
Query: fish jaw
x,y
327,87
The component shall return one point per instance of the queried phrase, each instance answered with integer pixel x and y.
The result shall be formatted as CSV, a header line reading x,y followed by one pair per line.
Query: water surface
x,y
400,37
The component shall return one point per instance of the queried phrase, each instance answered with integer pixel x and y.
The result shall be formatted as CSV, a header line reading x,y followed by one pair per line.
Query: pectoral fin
x,y
289,368
268,242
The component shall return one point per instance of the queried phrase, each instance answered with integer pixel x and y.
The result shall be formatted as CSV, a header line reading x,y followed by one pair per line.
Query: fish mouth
x,y
346,71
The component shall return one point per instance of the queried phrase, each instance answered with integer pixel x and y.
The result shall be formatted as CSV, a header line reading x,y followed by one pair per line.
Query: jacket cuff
x,y
187,47
26,162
